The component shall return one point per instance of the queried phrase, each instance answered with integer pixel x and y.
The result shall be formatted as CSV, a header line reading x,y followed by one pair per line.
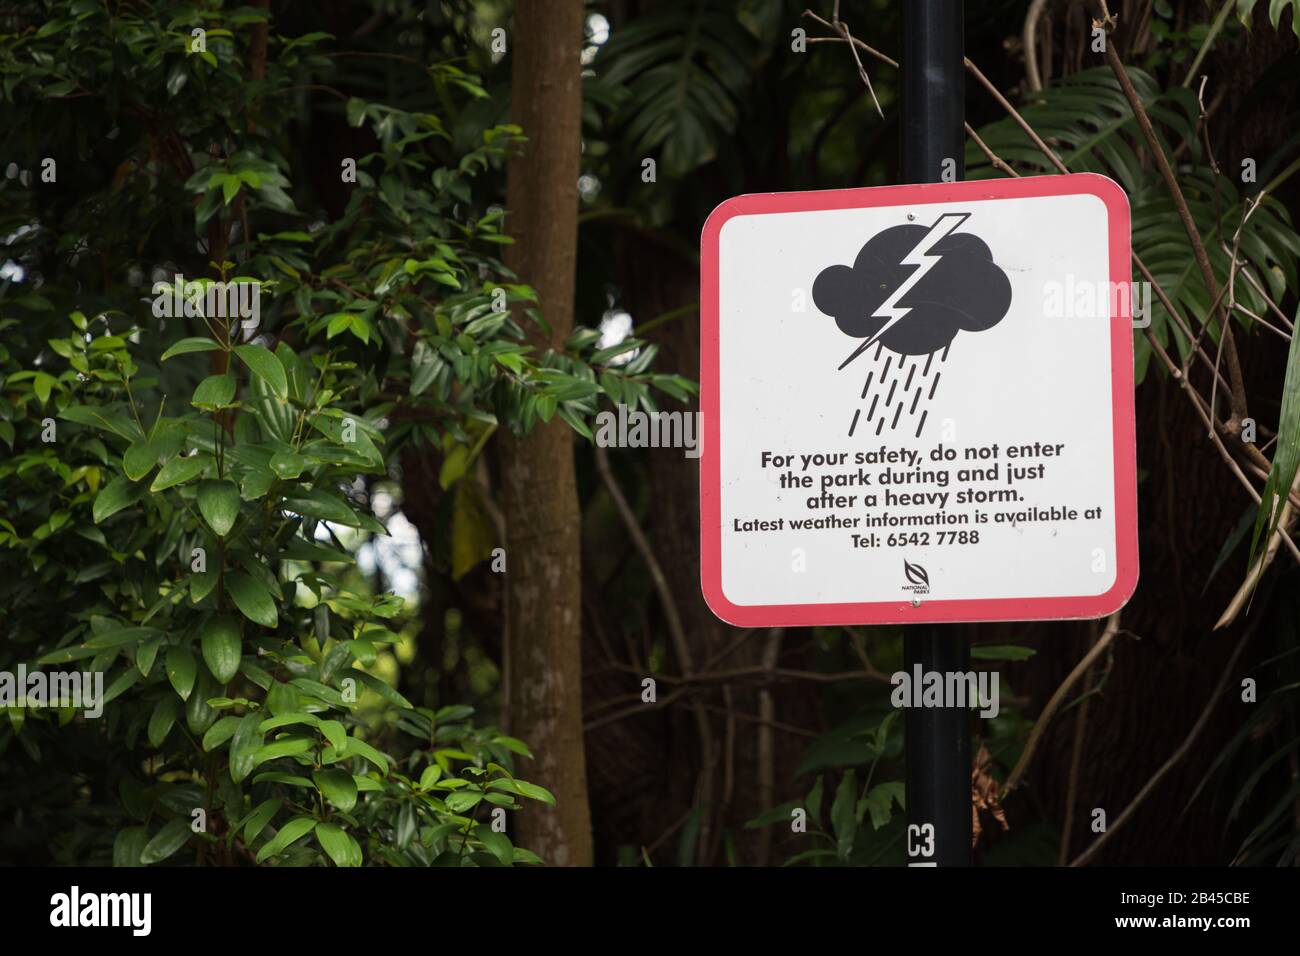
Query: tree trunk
x,y
538,490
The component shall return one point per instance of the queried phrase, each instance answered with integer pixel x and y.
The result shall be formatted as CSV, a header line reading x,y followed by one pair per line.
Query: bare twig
x,y
1210,36
997,161
870,51
1201,409
842,28
1076,762
1011,111
1247,588
1029,39
1179,322
1231,290
1174,758
773,724
1263,293
1238,385
1058,698
636,710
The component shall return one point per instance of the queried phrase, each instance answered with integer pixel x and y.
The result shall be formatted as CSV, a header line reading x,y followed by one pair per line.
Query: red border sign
x,y
901,611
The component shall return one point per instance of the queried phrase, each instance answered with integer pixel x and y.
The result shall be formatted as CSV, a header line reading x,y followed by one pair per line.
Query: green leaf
x,y
691,71
781,814
515,745
202,582
285,747
463,800
259,818
219,504
288,779
263,363
300,549
207,207
62,656
145,654
381,688
139,460
1286,454
252,598
179,470
356,111
274,414
117,636
337,323
288,719
215,391
290,833
335,733
338,787
814,802
878,800
498,844
288,464
219,733
316,503
359,748
338,844
181,670
230,186
281,699
454,465
119,493
844,819
41,385
246,742
199,716
222,647
185,346
473,536
530,790
129,845
430,776
113,420
167,841
161,720
363,651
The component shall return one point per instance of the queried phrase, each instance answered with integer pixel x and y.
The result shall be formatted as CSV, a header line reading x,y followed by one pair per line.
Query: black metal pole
x,y
938,739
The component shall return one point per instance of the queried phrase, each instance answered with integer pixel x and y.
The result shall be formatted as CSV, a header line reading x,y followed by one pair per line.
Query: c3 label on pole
x,y
918,404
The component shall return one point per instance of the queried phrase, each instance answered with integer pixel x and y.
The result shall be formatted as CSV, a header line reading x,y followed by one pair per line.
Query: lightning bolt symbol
x,y
924,260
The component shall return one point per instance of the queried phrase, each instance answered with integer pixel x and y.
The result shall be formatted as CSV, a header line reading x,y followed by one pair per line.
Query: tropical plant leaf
x,y
686,71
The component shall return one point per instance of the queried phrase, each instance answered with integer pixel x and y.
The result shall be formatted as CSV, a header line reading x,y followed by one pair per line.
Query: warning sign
x,y
918,404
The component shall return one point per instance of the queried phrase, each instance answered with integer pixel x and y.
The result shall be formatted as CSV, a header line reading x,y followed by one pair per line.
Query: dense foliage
x,y
202,368
254,314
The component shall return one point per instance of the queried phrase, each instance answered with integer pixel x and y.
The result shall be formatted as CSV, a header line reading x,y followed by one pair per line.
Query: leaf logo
x,y
916,574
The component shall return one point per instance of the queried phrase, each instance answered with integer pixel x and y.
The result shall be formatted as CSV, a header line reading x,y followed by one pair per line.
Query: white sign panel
x,y
918,404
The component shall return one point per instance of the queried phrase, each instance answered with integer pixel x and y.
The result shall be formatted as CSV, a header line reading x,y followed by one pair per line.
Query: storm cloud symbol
x,y
961,289
911,289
